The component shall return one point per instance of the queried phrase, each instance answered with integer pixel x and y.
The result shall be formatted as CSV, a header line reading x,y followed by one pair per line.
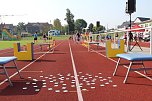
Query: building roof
x,y
137,20
125,24
38,24
142,19
147,21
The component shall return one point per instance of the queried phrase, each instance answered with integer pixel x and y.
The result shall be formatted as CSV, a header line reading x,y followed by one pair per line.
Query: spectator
x,y
130,37
35,37
125,38
107,37
140,36
135,37
78,36
44,37
90,36
86,36
97,38
116,36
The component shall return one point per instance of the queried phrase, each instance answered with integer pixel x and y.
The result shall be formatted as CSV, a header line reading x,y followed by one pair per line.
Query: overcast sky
x,y
109,12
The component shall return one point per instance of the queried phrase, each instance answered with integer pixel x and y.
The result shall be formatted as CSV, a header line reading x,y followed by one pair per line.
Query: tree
x,y
90,27
21,27
80,24
57,24
70,20
100,28
45,28
65,29
62,30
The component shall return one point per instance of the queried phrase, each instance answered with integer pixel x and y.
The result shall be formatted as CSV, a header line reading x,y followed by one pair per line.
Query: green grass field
x,y
9,44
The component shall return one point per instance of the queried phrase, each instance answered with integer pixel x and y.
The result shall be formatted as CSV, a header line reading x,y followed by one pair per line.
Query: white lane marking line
x,y
26,66
123,65
79,93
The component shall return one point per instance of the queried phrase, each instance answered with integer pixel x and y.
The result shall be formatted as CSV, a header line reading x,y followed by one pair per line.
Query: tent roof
x,y
136,28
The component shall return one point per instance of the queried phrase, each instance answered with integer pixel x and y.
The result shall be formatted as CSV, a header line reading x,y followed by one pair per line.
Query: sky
x,y
110,13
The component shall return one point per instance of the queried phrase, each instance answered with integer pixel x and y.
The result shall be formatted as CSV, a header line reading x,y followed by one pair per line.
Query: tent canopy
x,y
136,28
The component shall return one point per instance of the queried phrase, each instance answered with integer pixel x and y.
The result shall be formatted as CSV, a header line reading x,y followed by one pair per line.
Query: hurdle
x,y
90,43
50,45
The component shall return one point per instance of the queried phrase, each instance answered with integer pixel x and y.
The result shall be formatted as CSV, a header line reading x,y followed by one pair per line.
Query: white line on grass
x,y
79,93
28,65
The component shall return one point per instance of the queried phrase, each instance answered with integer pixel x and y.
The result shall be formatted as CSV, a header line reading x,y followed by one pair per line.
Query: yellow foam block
x,y
23,55
112,52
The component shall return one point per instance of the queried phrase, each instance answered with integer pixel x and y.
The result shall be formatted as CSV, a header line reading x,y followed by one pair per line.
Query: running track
x,y
73,74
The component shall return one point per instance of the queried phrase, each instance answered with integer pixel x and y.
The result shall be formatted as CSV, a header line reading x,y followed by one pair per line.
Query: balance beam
x,y
134,59
4,61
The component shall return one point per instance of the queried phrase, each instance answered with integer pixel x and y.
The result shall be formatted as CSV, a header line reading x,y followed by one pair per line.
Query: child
x,y
35,37
44,37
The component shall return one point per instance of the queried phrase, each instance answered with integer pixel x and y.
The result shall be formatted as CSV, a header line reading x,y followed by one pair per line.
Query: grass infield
x,y
25,40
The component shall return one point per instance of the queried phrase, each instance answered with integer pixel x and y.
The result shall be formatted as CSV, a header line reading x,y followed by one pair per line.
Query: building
x,y
10,27
141,19
125,25
144,22
36,27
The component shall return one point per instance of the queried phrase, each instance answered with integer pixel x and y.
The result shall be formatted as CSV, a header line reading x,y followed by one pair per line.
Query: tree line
x,y
71,27
80,24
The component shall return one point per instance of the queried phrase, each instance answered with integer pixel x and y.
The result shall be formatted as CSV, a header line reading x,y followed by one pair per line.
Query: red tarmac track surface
x,y
142,44
72,73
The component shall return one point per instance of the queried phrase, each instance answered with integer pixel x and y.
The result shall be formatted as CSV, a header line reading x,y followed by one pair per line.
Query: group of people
x,y
88,36
78,37
36,37
134,37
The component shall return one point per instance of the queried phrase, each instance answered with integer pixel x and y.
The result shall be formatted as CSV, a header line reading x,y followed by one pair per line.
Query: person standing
x,y
78,36
90,36
125,38
87,36
44,37
35,37
116,36
97,38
